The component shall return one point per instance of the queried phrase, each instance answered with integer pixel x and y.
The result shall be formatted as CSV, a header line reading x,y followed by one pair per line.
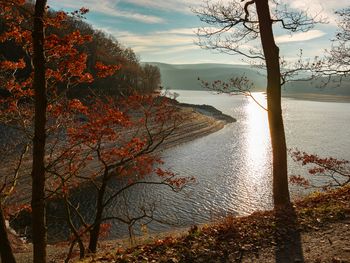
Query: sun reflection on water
x,y
256,150
257,131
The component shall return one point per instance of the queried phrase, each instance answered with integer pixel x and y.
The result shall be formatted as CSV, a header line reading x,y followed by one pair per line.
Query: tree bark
x,y
38,168
6,252
75,232
95,231
278,140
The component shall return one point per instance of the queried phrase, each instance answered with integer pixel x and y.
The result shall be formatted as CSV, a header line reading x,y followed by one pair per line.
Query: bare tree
x,y
335,65
335,172
339,55
236,28
8,182
117,141
150,78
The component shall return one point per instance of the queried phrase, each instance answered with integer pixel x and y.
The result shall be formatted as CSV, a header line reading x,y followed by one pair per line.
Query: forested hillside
x,y
185,77
333,86
104,48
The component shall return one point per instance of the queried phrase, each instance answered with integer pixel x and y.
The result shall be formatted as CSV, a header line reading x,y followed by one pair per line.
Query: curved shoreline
x,y
210,111
200,121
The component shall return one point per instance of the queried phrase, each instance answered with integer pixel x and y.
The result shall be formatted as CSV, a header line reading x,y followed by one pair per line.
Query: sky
x,y
164,30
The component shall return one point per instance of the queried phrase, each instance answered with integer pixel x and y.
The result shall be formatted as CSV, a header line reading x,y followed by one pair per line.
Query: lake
x,y
232,167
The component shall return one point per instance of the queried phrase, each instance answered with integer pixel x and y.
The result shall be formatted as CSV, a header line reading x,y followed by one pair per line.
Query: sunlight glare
x,y
258,131
257,148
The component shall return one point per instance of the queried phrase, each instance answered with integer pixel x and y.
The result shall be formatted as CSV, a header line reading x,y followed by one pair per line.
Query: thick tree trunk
x,y
5,246
94,233
38,168
278,140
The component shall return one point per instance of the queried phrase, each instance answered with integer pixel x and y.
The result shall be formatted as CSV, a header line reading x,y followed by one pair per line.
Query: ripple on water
x,y
233,166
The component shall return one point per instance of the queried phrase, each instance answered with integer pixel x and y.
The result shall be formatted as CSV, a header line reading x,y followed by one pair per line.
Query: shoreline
x,y
200,121
317,97
316,227
321,97
210,111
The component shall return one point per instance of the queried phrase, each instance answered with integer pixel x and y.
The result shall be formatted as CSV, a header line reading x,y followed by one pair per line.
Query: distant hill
x,y
185,77
333,87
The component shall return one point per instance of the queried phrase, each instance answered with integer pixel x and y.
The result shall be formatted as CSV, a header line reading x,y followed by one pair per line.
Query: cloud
x,y
320,8
299,37
157,42
180,31
318,5
313,7
182,6
108,7
153,43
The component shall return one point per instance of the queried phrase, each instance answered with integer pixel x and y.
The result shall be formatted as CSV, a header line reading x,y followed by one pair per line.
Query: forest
x,y
82,118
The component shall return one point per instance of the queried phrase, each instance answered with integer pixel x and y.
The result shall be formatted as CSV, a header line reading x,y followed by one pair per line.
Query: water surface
x,y
232,167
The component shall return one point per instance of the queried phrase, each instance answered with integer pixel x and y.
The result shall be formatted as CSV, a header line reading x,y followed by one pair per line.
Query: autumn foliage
x,y
324,172
88,142
109,140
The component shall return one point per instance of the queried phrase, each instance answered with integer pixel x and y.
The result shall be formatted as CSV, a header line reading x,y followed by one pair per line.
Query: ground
x,y
315,229
329,244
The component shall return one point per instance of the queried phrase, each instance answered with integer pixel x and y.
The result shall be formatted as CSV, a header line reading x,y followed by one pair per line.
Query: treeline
x,y
132,76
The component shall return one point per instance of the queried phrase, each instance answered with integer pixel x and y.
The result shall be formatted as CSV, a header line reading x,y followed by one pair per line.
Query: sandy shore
x,y
200,120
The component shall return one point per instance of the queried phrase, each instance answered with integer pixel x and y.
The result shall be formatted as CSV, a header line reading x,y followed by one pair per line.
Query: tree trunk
x,y
95,231
38,168
278,140
5,246
75,232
